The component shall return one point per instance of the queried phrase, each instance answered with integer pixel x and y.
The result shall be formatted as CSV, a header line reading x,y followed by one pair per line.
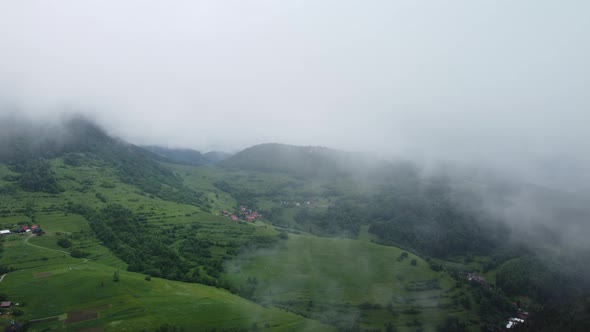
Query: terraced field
x,y
62,293
304,283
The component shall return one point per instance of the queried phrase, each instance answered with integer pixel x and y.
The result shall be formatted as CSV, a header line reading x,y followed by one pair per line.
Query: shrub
x,y
64,243
77,253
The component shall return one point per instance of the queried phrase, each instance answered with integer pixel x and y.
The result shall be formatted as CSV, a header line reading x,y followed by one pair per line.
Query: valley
x,y
166,246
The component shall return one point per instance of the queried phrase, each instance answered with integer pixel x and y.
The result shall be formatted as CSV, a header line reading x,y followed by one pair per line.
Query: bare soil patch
x,y
81,316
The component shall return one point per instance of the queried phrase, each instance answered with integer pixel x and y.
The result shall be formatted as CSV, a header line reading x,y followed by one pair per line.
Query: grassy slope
x,y
132,302
337,272
270,188
341,273
334,272
52,283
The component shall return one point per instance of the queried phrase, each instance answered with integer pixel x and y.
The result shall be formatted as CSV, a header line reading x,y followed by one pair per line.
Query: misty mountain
x,y
552,216
22,139
179,156
26,147
187,156
216,156
440,214
314,162
484,193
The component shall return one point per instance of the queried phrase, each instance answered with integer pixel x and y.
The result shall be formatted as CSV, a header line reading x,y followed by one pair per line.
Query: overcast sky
x,y
505,82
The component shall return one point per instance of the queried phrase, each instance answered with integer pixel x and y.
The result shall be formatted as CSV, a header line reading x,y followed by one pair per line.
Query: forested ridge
x,y
82,143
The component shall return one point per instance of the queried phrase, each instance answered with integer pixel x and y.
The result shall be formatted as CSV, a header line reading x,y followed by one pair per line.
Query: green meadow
x,y
52,287
335,280
48,282
303,283
133,303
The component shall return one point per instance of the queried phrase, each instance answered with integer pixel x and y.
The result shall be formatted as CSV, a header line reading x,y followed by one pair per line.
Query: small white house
x,y
513,321
4,232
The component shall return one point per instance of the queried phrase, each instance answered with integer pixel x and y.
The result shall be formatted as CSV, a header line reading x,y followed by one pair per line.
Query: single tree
x,y
389,327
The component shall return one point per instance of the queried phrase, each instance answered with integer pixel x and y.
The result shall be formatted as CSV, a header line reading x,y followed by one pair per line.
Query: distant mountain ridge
x,y
274,157
313,161
187,156
216,156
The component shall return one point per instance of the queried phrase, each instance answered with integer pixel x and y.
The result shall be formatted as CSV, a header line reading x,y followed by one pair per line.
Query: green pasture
x,y
133,303
331,279
342,282
50,283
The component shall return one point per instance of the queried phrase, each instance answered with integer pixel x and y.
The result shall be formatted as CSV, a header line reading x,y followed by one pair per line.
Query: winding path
x,y
34,245
45,248
40,247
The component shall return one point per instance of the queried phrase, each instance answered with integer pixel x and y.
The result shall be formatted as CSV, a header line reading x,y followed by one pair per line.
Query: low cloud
x,y
500,84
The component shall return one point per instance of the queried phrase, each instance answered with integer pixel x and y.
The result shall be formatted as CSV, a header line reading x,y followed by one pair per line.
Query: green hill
x,y
180,156
79,171
111,210
59,292
187,156
80,143
121,210
307,161
39,269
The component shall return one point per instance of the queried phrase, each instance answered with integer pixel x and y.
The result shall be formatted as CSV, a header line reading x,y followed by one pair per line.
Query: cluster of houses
x,y
244,213
35,229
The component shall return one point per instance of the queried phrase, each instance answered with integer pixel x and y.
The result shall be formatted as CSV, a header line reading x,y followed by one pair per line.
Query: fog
x,y
496,83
